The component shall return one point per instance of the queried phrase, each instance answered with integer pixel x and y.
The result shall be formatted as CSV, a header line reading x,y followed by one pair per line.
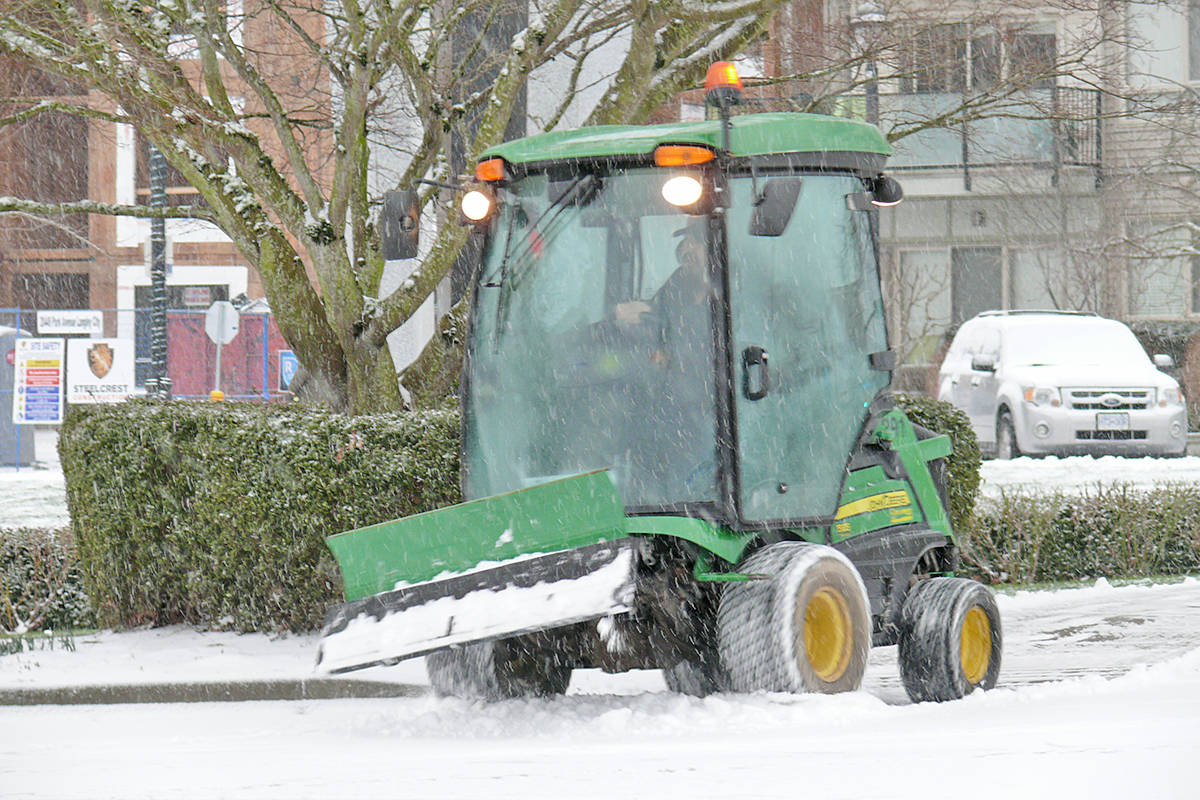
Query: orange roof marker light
x,y
490,170
722,75
682,155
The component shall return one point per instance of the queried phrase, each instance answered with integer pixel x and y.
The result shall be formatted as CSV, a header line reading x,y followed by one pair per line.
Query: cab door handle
x,y
754,359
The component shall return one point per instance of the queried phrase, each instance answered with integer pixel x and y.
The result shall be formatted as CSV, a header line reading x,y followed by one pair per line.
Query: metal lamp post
x,y
865,26
158,385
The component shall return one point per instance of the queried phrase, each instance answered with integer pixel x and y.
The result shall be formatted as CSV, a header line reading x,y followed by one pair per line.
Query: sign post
x,y
221,324
38,382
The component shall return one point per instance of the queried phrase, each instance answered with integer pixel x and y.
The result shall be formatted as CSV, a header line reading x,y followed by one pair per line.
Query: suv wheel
x,y
1006,438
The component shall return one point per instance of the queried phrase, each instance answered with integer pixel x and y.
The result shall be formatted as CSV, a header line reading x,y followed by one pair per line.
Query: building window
x,y
1160,269
45,158
1195,259
987,61
179,191
977,275
934,60
1194,41
954,58
19,80
1031,58
1035,279
919,295
46,291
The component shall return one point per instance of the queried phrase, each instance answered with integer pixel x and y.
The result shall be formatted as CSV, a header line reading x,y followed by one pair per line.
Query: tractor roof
x,y
752,135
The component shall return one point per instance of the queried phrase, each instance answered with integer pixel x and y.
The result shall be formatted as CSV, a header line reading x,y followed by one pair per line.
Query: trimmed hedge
x,y
216,514
40,582
1115,532
962,467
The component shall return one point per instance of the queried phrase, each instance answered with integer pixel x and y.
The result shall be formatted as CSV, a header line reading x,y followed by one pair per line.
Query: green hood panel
x,y
752,135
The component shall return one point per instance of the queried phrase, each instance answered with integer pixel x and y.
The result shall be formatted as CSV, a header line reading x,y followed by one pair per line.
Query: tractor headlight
x,y
1043,396
682,190
476,205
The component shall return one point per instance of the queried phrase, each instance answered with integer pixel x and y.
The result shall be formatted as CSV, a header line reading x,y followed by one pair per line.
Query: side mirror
x,y
983,362
400,224
1164,361
887,191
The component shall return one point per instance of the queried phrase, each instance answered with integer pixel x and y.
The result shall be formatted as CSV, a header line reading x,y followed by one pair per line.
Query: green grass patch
x,y
13,643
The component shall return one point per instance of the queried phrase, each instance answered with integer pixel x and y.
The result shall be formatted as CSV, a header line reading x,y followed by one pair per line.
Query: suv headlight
x,y
1043,396
1171,396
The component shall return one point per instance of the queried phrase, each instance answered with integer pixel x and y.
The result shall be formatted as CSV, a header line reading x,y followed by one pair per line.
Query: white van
x,y
1063,383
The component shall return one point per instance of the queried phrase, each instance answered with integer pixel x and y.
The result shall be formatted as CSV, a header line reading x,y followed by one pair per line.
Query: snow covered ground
x,y
1099,698
1084,473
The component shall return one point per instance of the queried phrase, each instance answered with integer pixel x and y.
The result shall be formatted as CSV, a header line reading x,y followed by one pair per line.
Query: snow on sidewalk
x,y
176,654
1078,474
33,498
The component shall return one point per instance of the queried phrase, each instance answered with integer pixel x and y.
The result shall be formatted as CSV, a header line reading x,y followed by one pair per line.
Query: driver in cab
x,y
680,306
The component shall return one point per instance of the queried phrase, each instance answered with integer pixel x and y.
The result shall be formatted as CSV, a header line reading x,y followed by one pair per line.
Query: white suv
x,y
1037,382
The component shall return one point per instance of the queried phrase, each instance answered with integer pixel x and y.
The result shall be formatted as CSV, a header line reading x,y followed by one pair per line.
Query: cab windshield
x,y
593,343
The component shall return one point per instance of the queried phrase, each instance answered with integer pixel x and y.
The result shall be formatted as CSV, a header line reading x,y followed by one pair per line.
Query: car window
x,y
989,341
1074,341
962,341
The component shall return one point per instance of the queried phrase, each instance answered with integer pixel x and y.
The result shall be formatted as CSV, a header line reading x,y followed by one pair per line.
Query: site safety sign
x,y
38,381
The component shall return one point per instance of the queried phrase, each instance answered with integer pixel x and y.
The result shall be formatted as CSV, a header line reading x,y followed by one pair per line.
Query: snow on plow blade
x,y
529,560
528,595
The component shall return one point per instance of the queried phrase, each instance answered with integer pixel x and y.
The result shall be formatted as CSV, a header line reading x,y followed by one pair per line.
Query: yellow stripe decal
x,y
875,502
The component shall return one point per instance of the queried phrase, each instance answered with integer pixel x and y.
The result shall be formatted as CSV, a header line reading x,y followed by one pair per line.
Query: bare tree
x,y
269,109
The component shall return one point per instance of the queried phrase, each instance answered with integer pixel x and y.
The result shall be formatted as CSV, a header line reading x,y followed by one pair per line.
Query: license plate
x,y
1112,421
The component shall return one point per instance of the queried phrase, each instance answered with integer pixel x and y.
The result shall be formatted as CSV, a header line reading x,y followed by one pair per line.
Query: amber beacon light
x,y
722,75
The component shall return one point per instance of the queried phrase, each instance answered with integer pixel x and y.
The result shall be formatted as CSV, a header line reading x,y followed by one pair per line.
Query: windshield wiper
x,y
580,191
508,239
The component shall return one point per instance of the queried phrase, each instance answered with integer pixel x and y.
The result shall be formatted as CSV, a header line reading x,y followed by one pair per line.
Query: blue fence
x,y
256,365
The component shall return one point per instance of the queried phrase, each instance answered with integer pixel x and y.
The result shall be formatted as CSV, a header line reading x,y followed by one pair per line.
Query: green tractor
x,y
679,447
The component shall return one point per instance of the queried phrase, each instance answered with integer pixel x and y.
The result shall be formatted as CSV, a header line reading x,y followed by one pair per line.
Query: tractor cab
x,y
704,322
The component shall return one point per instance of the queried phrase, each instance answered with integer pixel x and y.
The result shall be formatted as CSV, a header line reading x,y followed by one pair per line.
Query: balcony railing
x,y
1049,129
1044,128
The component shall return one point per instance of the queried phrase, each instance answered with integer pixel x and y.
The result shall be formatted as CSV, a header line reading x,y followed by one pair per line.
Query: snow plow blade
x,y
519,597
538,558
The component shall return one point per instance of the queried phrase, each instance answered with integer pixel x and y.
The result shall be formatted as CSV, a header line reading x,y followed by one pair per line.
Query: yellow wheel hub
x,y
975,649
827,633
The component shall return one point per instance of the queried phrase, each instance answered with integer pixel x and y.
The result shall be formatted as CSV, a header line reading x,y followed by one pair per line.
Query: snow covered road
x,y
1099,698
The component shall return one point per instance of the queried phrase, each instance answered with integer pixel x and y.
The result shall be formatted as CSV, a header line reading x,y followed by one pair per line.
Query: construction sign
x,y
38,381
99,370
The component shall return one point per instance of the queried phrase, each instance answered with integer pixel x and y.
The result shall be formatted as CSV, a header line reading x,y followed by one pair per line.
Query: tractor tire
x,y
1006,438
694,678
950,639
493,671
806,629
